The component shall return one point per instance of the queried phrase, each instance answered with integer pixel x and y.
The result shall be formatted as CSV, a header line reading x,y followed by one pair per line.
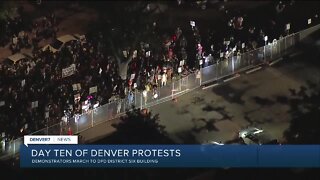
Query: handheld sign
x,y
34,104
23,82
125,54
288,26
93,89
274,41
132,76
192,23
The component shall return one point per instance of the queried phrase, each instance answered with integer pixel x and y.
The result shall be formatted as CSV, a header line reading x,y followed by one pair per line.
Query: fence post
x,y
200,76
279,48
285,43
232,63
108,111
158,89
135,98
187,84
271,49
264,53
92,118
140,101
47,127
124,105
172,90
14,148
77,123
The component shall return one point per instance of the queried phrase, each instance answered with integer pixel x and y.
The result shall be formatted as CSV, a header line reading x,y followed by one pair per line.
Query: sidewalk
x,y
5,52
99,131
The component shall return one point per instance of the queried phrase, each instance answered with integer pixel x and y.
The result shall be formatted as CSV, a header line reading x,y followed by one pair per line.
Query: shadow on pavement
x,y
208,125
231,94
305,113
220,110
187,137
263,101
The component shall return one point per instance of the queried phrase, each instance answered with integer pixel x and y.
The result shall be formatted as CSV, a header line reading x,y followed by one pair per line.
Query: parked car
x,y
15,59
60,42
254,135
214,143
207,144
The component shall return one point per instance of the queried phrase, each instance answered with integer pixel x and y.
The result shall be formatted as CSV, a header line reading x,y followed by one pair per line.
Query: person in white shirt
x,y
144,93
164,79
15,40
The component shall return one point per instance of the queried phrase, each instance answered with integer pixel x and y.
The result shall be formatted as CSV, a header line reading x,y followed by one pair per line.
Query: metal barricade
x,y
100,114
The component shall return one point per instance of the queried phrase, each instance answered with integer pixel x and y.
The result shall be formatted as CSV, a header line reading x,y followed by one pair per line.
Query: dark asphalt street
x,y
218,113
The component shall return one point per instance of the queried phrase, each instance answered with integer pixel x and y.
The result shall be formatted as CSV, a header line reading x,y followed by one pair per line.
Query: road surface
x,y
217,113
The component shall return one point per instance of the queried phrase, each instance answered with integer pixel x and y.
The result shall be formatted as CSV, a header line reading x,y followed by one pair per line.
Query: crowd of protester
x,y
183,49
9,27
33,93
19,34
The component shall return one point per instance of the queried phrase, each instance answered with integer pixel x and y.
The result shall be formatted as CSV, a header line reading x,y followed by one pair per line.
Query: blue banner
x,y
41,156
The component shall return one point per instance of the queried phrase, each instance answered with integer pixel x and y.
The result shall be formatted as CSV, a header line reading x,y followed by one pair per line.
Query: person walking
x,y
144,93
164,79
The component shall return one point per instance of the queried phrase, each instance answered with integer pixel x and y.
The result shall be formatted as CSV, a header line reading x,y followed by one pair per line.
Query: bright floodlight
x,y
266,38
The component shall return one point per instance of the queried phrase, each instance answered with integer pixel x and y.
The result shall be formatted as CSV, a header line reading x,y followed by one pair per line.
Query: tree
x,y
7,9
305,110
138,127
